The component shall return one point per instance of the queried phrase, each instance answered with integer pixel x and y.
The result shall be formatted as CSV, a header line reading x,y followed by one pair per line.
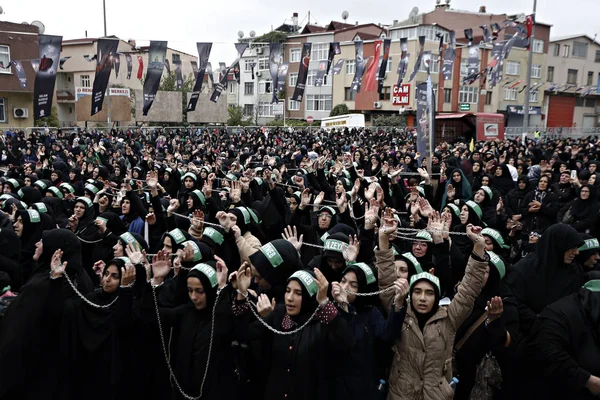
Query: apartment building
x,y
17,42
573,72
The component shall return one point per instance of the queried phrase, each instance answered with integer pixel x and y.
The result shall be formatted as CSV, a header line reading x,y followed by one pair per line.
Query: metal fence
x,y
513,132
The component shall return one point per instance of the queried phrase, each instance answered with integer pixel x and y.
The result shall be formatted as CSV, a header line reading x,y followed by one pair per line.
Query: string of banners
x,y
369,73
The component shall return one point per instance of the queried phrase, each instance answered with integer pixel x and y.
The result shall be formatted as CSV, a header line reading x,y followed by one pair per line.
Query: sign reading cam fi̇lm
x,y
401,95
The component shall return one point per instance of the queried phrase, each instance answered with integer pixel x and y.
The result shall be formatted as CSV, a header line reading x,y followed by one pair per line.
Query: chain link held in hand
x,y
85,299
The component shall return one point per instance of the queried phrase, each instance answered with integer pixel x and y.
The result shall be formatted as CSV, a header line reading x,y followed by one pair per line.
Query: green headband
x,y
272,255
41,207
590,244
488,191
367,271
214,235
209,272
189,175
424,236
13,182
126,260
498,263
20,193
335,245
91,188
128,238
454,209
593,285
427,276
34,216
200,196
494,234
245,213
414,261
330,209
177,235
40,184
71,189
85,200
307,281
56,192
197,252
475,207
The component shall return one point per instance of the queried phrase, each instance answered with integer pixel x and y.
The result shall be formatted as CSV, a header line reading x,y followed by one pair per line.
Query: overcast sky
x,y
183,23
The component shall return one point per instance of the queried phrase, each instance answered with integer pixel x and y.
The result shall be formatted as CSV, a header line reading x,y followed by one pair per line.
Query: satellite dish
x,y
240,34
40,26
414,12
438,2
252,33
345,15
25,23
1,10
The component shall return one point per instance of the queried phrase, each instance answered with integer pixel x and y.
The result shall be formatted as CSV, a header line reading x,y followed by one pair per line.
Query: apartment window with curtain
x,y
248,109
572,76
580,49
590,78
3,114
5,59
447,95
248,88
85,81
293,105
534,96
295,55
318,102
468,94
556,50
349,94
536,71
550,77
488,98
293,79
350,67
320,51
537,46
510,93
512,67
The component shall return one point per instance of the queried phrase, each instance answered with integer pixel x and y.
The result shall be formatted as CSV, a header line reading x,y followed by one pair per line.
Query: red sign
x,y
309,120
401,95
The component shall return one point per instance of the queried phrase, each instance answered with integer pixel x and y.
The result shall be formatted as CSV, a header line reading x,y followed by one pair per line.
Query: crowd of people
x,y
283,264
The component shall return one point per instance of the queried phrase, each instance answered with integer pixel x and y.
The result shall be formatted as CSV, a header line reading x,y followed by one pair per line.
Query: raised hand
x,y
198,220
342,202
264,306
305,199
151,218
425,207
152,180
99,267
127,275
371,213
495,307
401,291
319,198
353,249
235,195
450,192
173,206
243,279
222,272
323,286
134,253
57,266
370,192
291,235
161,265
338,294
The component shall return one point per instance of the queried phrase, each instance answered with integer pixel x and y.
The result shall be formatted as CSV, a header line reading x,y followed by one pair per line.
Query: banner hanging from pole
x,y
404,58
302,73
387,43
20,73
222,84
156,63
45,77
449,56
337,68
129,65
419,58
359,66
275,60
106,50
203,54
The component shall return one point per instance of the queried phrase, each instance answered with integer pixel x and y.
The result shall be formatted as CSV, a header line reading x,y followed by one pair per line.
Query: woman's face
x,y
498,171
18,226
196,293
570,255
522,185
28,170
349,283
489,243
53,176
79,210
96,173
585,193
339,187
563,168
456,177
511,161
357,156
419,249
543,183
72,175
479,196
401,269
520,169
464,214
592,180
125,207
167,245
190,203
118,249
485,181
293,204
293,298
423,297
476,167
110,279
188,183
27,181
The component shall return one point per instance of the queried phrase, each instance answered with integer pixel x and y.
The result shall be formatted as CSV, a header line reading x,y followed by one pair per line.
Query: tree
x,y
272,37
397,120
235,116
340,109
51,121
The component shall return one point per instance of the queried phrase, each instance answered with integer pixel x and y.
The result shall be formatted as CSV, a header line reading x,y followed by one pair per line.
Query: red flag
x,y
140,67
370,78
517,83
529,23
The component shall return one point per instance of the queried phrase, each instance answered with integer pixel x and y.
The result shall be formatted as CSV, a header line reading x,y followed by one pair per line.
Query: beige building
x,y
76,80
574,72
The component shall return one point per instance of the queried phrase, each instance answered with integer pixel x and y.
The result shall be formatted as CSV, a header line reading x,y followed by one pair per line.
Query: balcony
x,y
65,96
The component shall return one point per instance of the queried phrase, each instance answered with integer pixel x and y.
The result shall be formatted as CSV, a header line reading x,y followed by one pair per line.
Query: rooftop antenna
x,y
345,15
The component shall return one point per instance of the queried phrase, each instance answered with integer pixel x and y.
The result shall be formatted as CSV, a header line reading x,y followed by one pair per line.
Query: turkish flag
x,y
529,23
370,78
140,67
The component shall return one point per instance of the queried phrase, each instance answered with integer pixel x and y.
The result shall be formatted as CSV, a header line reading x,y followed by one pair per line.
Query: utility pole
x,y
108,89
529,65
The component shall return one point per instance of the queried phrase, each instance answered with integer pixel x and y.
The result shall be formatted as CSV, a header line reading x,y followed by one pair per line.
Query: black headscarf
x,y
585,209
10,257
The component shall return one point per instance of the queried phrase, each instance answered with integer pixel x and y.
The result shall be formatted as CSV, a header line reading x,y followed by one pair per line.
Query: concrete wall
x,y
207,111
120,109
17,100
167,107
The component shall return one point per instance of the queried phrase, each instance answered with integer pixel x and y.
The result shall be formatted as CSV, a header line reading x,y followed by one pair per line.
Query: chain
x,y
377,293
85,299
89,241
164,347
251,306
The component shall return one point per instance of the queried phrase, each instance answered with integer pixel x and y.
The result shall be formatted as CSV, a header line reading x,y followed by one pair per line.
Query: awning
x,y
451,116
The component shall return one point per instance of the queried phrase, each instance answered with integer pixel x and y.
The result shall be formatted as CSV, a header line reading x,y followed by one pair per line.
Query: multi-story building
x,y
17,42
75,81
573,73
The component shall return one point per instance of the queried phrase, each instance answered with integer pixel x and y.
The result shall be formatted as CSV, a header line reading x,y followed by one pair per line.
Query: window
x,y
5,59
386,93
580,49
350,67
435,64
264,87
597,58
388,67
263,64
536,71
468,94
293,105
534,96
293,79
248,109
447,95
349,94
464,67
590,78
248,88
588,102
85,80
572,76
512,67
318,102
510,93
248,65
310,78
232,87
320,51
550,77
556,51
537,46
566,50
265,109
3,115
295,55
488,98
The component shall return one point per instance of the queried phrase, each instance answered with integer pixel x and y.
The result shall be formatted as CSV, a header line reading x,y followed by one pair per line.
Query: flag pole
x,y
108,88
529,65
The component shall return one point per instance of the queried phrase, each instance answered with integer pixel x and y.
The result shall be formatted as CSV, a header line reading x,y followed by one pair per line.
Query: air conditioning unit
x,y
21,113
377,104
258,74
259,50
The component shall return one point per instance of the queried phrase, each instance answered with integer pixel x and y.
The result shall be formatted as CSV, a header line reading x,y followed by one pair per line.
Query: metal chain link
x,y
164,347
85,299
377,293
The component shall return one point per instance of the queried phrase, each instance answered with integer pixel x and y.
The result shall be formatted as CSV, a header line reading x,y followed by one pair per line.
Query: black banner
x,y
496,63
35,64
90,59
236,72
281,76
107,49
129,65
117,64
441,47
62,62
302,73
425,115
469,35
449,57
203,54
220,86
178,74
222,71
427,61
383,64
320,78
334,49
419,58
20,73
473,59
156,64
487,37
359,66
404,58
275,60
45,76
337,68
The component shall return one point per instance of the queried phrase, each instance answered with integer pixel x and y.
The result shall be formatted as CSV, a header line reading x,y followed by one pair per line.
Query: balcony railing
x,y
65,95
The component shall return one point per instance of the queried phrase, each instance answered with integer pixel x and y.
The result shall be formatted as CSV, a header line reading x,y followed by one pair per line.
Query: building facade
x,y
17,42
